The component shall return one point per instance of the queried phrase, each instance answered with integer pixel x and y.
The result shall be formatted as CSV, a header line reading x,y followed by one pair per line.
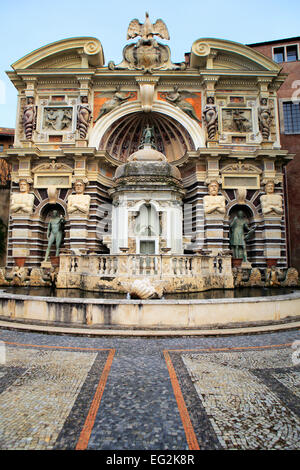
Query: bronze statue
x,y
55,232
238,237
147,137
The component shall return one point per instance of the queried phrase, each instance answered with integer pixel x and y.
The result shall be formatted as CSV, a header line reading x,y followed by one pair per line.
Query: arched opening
x,y
123,137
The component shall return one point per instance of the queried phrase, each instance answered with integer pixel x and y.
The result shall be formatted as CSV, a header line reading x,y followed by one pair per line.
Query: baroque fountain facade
x,y
147,177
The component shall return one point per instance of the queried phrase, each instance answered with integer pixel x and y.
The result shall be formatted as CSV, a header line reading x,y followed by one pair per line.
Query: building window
x,y
291,116
291,53
1,147
285,53
278,54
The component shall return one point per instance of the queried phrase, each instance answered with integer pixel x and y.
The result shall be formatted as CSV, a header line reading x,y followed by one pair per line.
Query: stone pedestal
x,y
21,236
214,233
78,232
272,237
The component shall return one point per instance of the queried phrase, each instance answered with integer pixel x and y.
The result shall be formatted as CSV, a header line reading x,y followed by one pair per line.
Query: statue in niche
x,y
55,232
29,117
210,117
238,236
213,203
58,118
22,202
271,203
117,98
264,119
84,116
79,202
178,98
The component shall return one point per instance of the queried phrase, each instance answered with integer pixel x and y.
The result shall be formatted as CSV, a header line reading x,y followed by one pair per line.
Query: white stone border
x,y
196,133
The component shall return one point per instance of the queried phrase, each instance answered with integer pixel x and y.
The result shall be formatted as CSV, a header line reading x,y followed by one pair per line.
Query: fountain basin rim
x,y
90,300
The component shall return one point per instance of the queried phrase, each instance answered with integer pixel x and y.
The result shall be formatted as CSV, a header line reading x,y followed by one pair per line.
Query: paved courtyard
x,y
130,393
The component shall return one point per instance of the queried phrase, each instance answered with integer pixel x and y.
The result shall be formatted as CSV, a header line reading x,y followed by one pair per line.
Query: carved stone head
x,y
269,187
79,187
213,188
24,186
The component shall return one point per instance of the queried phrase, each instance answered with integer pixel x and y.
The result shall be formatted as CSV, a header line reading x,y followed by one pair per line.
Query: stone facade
x,y
213,117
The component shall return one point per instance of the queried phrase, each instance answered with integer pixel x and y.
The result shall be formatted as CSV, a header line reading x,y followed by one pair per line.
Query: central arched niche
x,y
124,136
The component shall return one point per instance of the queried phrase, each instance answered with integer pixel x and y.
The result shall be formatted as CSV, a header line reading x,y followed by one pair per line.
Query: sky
x,y
29,24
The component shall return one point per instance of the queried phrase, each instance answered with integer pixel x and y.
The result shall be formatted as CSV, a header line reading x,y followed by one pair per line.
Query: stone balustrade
x,y
138,265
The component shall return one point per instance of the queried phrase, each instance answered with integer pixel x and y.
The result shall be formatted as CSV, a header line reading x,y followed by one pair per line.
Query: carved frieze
x,y
179,98
237,120
57,118
52,174
241,175
109,100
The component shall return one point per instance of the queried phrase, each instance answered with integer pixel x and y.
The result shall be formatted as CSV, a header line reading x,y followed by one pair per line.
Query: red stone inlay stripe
x,y
90,420
79,348
187,424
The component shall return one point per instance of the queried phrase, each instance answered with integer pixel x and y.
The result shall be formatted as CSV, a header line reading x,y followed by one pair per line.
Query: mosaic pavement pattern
x,y
41,396
64,392
246,399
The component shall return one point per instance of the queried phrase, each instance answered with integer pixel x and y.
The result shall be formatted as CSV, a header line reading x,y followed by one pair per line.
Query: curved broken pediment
x,y
81,52
217,54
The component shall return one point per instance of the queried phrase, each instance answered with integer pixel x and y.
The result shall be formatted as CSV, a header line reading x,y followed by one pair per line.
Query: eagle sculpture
x,y
147,30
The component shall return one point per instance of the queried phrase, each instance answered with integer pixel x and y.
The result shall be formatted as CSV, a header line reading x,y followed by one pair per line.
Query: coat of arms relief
x,y
147,54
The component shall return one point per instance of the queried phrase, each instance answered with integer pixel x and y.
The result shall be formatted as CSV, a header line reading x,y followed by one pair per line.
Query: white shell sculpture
x,y
142,289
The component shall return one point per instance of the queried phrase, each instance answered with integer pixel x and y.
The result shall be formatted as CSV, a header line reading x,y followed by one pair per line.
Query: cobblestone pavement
x,y
128,393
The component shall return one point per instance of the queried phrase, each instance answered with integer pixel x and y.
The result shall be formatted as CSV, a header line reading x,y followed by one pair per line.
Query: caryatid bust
x,y
79,203
214,204
22,202
271,203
